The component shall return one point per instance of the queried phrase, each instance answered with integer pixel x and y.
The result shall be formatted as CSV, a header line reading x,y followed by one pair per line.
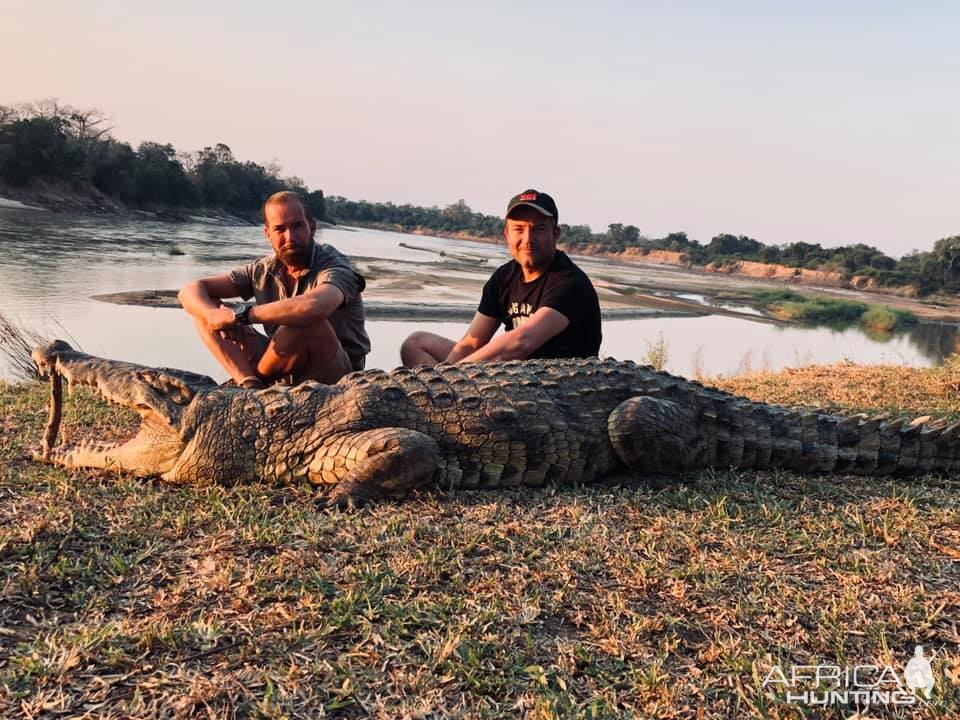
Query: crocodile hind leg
x,y
653,436
383,463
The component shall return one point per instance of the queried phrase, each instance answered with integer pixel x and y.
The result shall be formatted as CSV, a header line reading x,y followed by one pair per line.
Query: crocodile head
x,y
161,396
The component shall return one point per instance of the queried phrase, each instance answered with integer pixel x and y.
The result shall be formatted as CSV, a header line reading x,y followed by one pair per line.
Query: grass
x,y
886,319
789,305
126,598
657,354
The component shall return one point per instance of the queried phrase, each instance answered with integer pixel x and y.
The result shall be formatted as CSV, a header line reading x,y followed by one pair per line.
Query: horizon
x,y
826,126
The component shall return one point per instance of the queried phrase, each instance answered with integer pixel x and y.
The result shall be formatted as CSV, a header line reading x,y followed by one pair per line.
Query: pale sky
x,y
835,123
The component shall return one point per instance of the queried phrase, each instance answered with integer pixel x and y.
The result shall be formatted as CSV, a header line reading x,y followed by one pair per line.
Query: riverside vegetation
x,y
820,310
48,150
48,142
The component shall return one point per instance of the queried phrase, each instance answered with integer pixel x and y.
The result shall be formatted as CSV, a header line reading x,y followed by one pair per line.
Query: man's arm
x,y
336,285
300,311
201,298
481,329
522,342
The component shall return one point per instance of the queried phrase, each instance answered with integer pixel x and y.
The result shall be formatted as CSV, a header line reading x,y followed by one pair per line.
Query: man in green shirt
x,y
307,298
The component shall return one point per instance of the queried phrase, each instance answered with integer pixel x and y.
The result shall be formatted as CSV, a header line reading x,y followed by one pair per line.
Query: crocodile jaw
x,y
159,396
153,451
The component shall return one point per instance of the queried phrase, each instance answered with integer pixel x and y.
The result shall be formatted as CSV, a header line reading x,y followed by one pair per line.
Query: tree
x,y
8,114
726,245
316,204
458,214
112,168
37,147
675,241
943,263
161,178
87,126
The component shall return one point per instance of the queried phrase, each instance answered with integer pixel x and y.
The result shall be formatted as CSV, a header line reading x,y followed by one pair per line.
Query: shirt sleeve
x,y
242,278
490,299
345,279
567,294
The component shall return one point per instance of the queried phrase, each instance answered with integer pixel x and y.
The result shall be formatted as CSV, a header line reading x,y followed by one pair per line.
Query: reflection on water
x,y
51,265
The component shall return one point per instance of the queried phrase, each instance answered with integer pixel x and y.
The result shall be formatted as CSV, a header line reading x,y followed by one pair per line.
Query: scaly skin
x,y
376,434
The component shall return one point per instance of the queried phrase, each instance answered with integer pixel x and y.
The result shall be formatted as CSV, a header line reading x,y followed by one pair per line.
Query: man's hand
x,y
221,318
481,329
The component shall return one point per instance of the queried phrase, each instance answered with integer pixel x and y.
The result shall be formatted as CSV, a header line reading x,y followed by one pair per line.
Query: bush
x,y
658,353
793,306
886,319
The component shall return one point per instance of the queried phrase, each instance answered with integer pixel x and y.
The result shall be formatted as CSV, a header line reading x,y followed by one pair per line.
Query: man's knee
x,y
312,352
424,348
412,343
289,340
413,348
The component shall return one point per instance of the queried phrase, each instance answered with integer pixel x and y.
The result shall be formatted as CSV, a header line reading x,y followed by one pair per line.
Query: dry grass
x,y
16,341
123,598
845,386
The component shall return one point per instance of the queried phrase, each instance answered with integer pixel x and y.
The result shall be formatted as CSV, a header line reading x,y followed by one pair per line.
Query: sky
x,y
825,122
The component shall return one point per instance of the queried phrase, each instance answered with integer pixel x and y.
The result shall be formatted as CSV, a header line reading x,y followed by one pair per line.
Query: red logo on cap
x,y
528,196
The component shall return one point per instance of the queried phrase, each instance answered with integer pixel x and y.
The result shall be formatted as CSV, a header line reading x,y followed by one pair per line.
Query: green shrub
x,y
886,319
768,297
790,305
820,310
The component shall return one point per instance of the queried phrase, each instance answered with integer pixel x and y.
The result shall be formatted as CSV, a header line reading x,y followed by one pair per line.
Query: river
x,y
52,265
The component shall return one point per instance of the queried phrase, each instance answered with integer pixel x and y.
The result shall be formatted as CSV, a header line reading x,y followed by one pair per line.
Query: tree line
x,y
51,141
48,141
937,270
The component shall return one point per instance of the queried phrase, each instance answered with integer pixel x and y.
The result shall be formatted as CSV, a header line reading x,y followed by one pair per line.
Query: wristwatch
x,y
241,313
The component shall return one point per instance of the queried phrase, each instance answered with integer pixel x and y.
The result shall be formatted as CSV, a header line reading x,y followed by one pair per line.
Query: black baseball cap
x,y
539,201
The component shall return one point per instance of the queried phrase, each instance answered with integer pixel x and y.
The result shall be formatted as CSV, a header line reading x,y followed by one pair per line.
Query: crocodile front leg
x,y
383,463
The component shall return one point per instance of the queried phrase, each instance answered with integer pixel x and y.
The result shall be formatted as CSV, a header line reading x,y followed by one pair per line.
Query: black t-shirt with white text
x,y
563,287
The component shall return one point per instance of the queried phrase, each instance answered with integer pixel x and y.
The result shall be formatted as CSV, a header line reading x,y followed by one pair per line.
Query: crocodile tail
x,y
743,434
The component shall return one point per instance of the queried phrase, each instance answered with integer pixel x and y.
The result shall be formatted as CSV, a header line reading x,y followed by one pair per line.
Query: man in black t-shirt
x,y
546,303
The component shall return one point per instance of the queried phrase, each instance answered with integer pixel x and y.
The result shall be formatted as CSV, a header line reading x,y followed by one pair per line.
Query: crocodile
x,y
378,434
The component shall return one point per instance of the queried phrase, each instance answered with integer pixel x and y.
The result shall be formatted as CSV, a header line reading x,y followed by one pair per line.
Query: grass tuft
x,y
886,319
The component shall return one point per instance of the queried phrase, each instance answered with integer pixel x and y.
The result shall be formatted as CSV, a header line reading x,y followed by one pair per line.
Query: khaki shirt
x,y
263,279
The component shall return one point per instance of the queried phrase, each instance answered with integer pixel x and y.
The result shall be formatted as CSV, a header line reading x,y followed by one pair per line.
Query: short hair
x,y
285,196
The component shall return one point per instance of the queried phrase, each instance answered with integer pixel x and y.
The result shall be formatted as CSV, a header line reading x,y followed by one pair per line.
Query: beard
x,y
296,256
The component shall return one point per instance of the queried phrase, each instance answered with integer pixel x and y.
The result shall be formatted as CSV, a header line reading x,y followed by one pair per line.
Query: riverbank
x,y
608,601
742,275
61,197
427,232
